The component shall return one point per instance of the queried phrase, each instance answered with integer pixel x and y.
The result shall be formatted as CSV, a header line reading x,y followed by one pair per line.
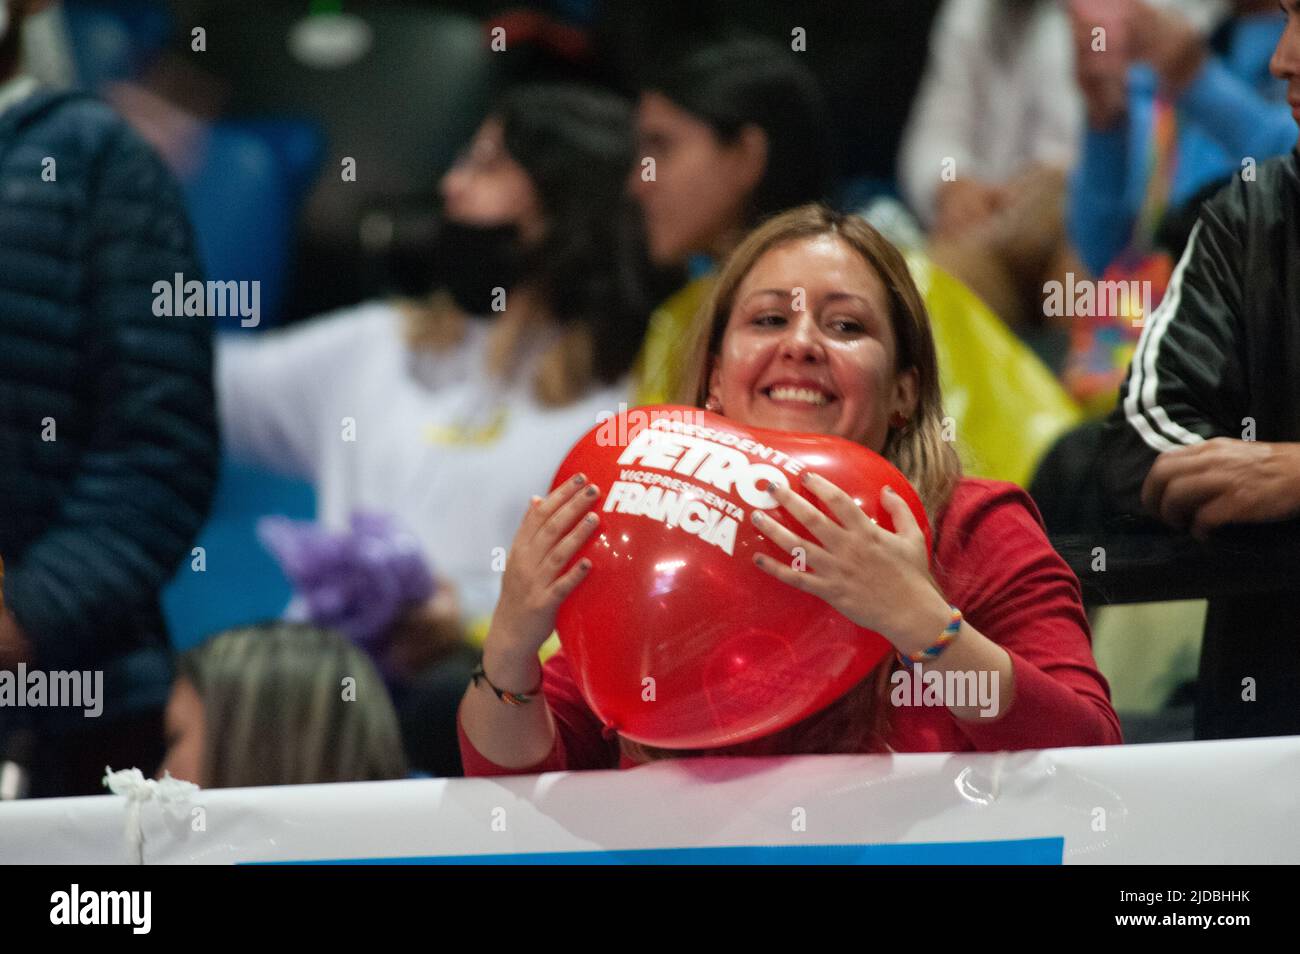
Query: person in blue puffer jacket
x,y
108,437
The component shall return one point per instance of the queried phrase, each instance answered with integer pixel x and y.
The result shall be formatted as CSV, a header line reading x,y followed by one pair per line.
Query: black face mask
x,y
473,261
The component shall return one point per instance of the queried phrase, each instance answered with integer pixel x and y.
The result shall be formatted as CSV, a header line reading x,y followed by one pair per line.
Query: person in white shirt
x,y
997,124
998,95
449,413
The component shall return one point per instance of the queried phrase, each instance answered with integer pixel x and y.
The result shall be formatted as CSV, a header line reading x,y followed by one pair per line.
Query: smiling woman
x,y
814,325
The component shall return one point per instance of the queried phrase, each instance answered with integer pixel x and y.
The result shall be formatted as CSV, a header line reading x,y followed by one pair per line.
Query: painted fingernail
x,y
891,491
590,518
590,491
580,479
585,564
759,516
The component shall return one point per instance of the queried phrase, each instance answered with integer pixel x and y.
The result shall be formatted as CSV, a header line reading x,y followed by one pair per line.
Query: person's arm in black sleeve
x,y
146,475
1184,384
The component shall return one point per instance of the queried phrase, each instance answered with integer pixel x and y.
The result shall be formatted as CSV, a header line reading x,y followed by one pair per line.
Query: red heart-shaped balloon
x,y
676,638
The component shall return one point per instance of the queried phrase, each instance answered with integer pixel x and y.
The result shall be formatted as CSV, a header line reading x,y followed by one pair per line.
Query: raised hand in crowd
x,y
1104,47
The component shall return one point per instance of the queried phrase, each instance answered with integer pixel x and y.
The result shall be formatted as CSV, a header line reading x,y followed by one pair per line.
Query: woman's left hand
x,y
877,579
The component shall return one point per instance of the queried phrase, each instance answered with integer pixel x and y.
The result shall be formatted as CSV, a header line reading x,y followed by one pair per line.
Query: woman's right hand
x,y
534,585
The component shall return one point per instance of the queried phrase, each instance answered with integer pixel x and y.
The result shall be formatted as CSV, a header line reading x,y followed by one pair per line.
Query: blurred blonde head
x,y
277,709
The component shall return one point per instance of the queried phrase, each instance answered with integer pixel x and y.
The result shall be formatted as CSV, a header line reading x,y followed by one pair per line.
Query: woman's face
x,y
486,186
701,184
809,346
184,727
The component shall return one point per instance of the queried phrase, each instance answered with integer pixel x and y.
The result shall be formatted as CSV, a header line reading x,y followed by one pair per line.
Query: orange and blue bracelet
x,y
947,636
510,698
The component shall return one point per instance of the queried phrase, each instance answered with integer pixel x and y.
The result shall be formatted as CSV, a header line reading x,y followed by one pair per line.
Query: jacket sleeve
x,y
144,481
1018,592
581,743
1244,122
1099,217
1185,383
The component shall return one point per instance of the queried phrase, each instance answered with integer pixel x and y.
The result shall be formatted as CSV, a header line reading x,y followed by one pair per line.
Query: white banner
x,y
1195,802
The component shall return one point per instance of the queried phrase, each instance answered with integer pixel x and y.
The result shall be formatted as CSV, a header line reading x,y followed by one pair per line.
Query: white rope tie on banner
x,y
167,791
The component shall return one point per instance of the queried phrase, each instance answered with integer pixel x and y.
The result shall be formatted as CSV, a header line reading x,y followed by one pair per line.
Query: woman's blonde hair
x,y
279,710
856,722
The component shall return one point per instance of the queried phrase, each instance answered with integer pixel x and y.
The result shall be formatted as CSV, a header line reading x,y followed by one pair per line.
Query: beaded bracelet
x,y
513,698
947,636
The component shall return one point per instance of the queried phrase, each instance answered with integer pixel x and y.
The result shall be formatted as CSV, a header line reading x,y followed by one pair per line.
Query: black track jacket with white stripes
x,y
1224,347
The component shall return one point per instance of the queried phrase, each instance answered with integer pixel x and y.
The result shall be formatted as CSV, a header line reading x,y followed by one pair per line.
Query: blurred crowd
x,y
446,238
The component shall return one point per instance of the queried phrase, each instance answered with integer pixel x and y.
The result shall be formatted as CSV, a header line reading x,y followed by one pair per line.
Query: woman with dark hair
x,y
569,242
850,354
443,411
736,132
728,134
447,413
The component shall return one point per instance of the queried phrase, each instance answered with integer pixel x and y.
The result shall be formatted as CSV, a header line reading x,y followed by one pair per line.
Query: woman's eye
x,y
848,325
769,318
